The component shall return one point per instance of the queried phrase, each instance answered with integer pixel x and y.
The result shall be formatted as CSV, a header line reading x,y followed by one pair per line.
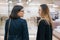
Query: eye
x,y
22,10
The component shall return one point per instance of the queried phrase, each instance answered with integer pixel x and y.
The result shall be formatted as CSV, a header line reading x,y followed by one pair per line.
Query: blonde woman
x,y
45,24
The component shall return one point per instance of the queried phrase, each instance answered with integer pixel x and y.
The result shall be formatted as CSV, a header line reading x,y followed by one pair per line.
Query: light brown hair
x,y
45,13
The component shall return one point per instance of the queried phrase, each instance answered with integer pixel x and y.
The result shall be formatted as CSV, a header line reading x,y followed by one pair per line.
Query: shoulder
x,y
43,21
7,20
22,20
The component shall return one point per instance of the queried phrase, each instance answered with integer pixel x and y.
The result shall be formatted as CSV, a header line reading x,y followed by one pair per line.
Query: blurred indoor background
x,y
31,14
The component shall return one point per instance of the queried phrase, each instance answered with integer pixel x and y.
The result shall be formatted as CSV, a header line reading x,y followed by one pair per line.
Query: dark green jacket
x,y
18,30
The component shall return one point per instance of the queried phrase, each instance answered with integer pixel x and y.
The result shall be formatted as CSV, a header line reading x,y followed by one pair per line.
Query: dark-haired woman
x,y
16,27
45,24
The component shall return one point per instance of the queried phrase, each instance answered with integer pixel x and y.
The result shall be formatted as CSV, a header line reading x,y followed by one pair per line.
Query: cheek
x,y
21,14
40,11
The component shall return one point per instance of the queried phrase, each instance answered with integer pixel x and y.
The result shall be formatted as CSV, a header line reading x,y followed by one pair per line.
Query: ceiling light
x,y
19,0
29,0
20,4
10,2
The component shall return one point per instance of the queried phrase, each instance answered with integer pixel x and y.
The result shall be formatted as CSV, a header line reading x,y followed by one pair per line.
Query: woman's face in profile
x,y
21,13
40,11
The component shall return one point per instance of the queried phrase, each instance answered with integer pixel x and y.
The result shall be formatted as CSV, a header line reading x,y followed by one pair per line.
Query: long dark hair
x,y
14,11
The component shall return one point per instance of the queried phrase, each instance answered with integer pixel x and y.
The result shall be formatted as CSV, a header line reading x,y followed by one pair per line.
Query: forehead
x,y
39,7
22,9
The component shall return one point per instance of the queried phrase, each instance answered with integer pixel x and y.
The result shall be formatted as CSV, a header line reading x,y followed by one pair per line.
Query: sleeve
x,y
6,28
41,30
25,31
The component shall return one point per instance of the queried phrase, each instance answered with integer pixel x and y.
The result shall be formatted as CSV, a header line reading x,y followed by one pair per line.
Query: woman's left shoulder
x,y
23,20
44,21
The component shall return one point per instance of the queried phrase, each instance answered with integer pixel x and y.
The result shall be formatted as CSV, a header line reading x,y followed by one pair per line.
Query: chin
x,y
21,16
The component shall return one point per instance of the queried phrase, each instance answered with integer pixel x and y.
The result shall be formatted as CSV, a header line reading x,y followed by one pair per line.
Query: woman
x,y
17,30
45,24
